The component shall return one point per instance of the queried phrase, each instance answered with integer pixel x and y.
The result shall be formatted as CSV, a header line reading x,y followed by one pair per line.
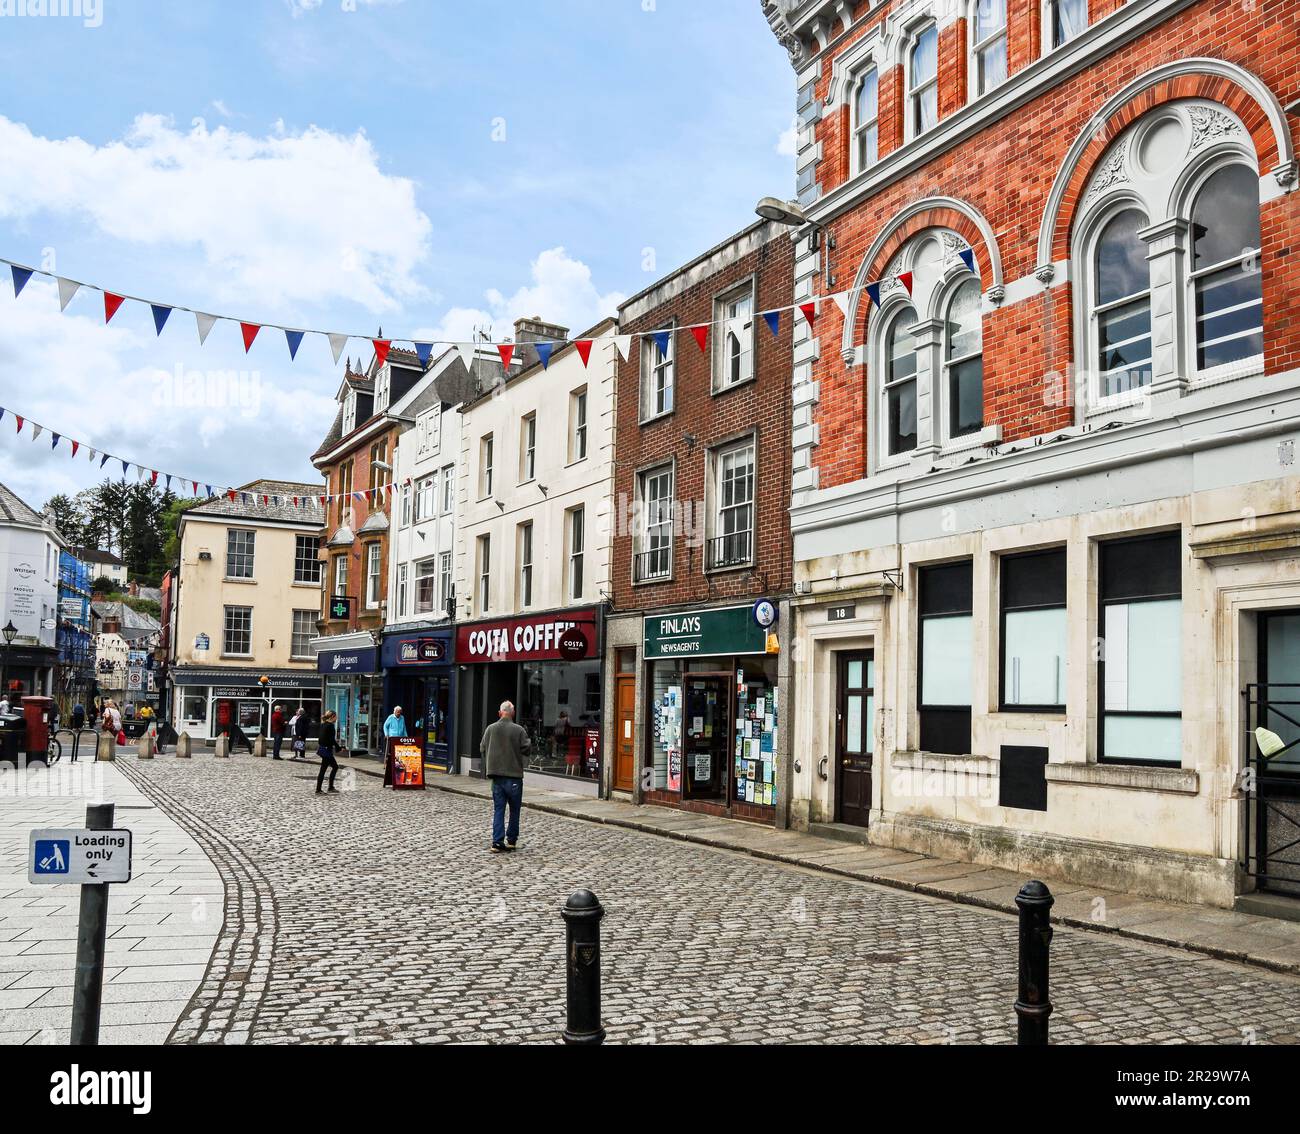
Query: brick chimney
x,y
531,329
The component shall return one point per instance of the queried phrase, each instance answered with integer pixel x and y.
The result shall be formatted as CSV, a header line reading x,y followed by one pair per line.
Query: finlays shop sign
x,y
703,633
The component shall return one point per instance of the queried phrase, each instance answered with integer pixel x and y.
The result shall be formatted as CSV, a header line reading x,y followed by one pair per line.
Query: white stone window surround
x,y
1157,165
870,53
1048,10
934,283
973,49
911,91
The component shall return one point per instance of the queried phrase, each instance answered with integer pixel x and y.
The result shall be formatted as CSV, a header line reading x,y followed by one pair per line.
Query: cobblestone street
x,y
372,916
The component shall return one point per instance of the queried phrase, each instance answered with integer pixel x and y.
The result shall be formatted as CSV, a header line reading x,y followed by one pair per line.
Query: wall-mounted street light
x,y
791,213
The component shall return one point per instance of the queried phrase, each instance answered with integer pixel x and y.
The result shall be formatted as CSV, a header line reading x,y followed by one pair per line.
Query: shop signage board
x,y
68,855
421,651
405,764
361,660
730,631
341,606
539,638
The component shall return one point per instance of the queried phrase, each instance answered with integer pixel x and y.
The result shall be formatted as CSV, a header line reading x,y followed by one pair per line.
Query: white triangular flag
x,y
206,323
67,289
624,344
91,454
337,343
467,352
842,302
36,430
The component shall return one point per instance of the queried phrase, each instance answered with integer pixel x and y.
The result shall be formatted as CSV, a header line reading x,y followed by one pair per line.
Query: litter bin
x,y
13,736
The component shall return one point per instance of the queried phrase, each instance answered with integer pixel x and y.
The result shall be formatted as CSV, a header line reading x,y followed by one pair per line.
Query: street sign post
x,y
94,856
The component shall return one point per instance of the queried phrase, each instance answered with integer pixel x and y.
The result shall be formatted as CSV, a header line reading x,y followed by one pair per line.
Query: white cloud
x,y
787,144
304,217
561,292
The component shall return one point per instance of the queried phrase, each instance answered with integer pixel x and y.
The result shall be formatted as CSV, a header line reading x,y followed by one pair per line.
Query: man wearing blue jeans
x,y
503,747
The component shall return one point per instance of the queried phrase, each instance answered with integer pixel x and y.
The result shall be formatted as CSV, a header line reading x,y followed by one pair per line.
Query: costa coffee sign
x,y
569,637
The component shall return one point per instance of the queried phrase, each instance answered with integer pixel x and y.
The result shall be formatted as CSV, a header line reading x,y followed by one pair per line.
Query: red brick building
x,y
1037,459
701,485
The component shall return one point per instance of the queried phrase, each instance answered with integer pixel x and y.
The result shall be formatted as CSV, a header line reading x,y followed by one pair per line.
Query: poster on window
x,y
674,769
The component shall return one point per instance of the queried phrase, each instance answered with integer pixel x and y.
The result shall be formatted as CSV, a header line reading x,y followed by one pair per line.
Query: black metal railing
x,y
734,550
654,564
1271,787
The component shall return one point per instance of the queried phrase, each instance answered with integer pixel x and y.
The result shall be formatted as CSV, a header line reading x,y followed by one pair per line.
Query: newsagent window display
x,y
696,716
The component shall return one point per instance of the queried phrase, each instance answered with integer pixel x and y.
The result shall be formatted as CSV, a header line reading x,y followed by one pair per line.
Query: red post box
x,y
36,716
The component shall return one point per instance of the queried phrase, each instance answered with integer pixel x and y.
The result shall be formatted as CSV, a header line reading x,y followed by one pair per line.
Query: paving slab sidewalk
x,y
162,925
1267,942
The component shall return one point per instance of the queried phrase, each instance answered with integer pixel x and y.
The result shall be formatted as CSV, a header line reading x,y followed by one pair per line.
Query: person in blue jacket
x,y
395,725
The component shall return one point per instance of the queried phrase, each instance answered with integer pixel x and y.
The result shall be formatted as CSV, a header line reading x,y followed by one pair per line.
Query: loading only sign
x,y
77,856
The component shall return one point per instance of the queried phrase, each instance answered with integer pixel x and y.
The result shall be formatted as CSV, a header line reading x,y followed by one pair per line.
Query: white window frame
x,y
313,560
891,317
915,92
374,574
1049,22
341,573
653,524
407,512
652,368
724,306
525,545
719,512
483,565
402,575
248,552
981,47
528,448
226,651
486,457
425,570
576,528
444,581
862,127
947,364
448,489
578,430
310,633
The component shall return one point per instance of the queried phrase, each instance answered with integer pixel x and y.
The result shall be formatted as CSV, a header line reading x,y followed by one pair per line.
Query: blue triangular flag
x,y
209,488
103,460
294,339
422,352
661,341
544,353
967,256
169,480
124,463
873,294
21,276
54,441
2,414
160,313
773,322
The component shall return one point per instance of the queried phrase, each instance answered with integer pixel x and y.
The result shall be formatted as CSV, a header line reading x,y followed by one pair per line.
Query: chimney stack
x,y
531,329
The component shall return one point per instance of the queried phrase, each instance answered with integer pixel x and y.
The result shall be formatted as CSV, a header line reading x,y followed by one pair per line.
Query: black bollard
x,y
582,914
1033,1005
92,932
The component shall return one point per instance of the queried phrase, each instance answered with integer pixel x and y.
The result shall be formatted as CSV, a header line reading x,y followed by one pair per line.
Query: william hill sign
x,y
704,633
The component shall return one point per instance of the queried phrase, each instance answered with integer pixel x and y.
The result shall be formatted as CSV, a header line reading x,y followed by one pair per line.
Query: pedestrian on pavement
x,y
4,704
78,716
503,747
112,722
298,734
277,731
396,723
325,745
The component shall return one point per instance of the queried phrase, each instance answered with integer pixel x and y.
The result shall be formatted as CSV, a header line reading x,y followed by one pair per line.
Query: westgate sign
x,y
543,638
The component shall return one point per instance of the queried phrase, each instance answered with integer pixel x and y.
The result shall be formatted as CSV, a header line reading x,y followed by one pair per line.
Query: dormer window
x,y
349,412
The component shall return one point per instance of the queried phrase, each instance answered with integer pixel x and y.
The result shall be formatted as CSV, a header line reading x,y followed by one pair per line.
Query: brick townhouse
x,y
1045,511
696,685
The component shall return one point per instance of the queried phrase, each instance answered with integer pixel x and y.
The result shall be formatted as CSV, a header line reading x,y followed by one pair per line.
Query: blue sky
x,y
420,165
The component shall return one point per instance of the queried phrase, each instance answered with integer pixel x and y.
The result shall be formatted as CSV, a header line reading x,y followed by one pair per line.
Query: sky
x,y
423,166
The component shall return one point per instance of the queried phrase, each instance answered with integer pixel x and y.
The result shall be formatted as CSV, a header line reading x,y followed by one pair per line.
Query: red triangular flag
x,y
153,478
20,422
809,312
701,335
506,351
584,349
905,278
111,304
295,501
195,483
322,501
75,446
250,333
381,349
231,495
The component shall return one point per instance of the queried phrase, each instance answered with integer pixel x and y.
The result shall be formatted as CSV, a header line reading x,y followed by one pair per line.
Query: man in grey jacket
x,y
503,747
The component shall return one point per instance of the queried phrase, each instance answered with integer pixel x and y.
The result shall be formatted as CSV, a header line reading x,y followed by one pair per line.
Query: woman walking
x,y
297,729
325,750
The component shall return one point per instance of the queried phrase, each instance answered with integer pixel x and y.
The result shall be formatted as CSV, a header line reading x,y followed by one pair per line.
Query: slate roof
x,y
135,620
309,513
16,511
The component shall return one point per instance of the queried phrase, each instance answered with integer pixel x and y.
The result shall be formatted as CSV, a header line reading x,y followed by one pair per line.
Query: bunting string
x,y
108,461
423,348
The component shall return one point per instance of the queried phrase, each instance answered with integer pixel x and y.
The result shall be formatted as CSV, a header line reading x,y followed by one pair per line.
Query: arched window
x,y
964,360
900,383
865,113
989,44
1227,289
1122,305
923,80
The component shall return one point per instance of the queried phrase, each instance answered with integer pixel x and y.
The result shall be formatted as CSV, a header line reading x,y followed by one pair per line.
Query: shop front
x,y
28,671
354,691
420,676
714,701
209,701
549,665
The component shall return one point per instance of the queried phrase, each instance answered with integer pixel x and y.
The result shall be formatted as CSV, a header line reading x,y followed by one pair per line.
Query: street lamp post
x,y
10,632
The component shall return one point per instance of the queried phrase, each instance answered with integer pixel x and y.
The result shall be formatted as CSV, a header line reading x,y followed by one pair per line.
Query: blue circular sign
x,y
765,612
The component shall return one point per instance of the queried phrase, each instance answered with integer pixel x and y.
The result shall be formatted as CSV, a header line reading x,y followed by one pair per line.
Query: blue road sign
x,y
51,857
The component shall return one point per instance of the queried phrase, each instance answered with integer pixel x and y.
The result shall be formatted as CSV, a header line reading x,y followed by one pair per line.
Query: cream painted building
x,y
248,602
535,501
